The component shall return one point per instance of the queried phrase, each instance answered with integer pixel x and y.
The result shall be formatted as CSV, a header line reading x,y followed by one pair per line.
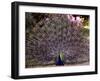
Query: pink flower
x,y
78,19
73,19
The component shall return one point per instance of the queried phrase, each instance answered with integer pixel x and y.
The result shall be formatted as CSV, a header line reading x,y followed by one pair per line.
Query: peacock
x,y
60,59
54,36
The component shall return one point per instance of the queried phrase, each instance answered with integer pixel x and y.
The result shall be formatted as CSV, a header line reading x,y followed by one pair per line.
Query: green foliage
x,y
85,32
